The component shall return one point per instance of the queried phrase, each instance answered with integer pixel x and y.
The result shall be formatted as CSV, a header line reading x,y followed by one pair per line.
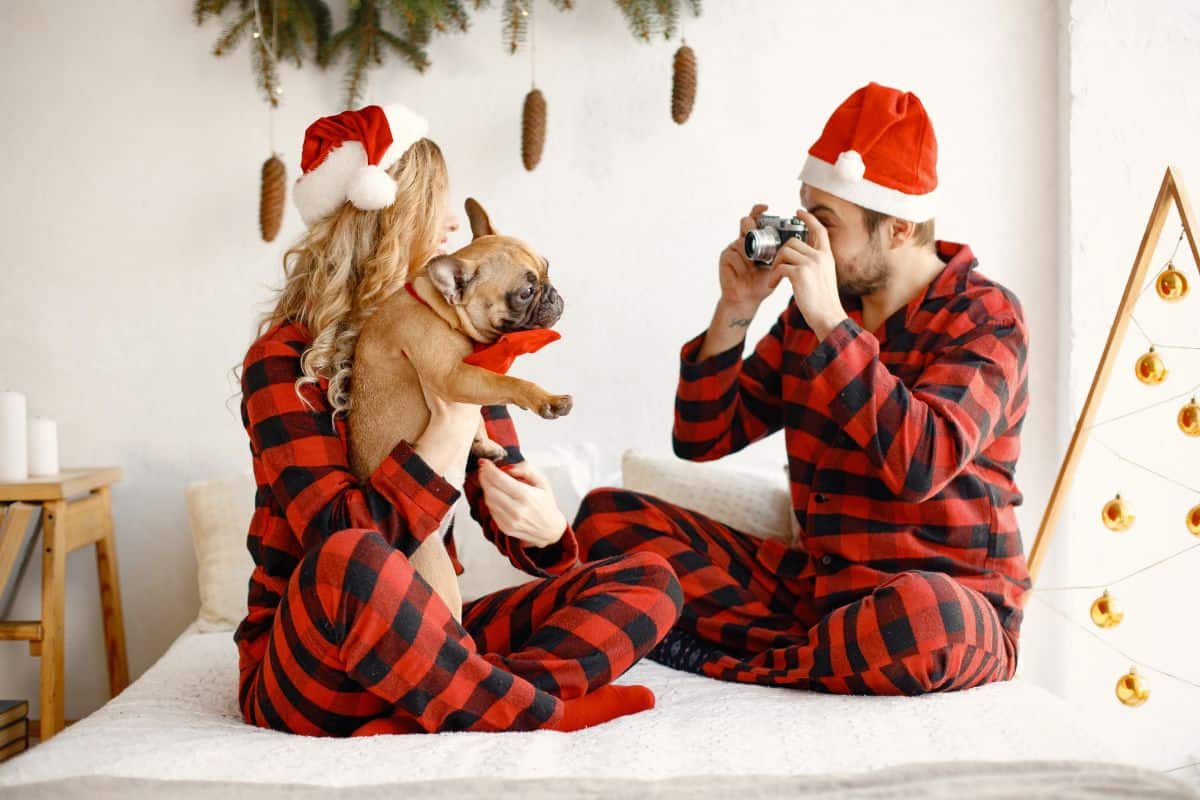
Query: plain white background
x,y
133,271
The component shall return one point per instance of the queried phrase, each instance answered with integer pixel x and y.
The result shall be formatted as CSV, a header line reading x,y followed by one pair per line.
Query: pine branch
x,y
297,29
515,24
233,34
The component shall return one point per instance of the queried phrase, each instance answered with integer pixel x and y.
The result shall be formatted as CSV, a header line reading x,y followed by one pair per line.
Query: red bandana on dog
x,y
500,354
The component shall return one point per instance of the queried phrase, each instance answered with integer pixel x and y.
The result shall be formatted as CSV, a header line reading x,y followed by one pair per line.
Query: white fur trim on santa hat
x,y
371,188
827,177
407,127
323,190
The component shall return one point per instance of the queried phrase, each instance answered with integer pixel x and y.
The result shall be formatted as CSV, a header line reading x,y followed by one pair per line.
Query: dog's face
x,y
496,284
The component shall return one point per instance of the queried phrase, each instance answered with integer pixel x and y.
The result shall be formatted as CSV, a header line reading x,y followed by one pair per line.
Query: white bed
x,y
176,731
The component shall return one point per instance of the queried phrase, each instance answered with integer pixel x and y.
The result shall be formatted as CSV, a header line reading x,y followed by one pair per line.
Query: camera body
x,y
762,243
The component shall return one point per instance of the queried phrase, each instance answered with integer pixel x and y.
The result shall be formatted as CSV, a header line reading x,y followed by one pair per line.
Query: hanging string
x,y
272,62
1155,473
1118,581
527,10
1113,647
1170,399
1174,253
1153,280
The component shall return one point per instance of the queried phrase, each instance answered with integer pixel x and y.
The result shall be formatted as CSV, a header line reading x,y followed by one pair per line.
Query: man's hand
x,y
743,284
522,506
810,268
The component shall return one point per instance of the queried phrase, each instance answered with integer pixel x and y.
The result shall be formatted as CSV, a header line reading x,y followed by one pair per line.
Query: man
x,y
897,373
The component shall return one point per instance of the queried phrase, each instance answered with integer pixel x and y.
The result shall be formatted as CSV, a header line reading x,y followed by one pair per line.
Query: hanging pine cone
x,y
533,128
271,197
683,86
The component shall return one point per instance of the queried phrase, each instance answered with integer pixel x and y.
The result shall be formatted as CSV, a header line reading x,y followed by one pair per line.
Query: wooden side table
x,y
76,511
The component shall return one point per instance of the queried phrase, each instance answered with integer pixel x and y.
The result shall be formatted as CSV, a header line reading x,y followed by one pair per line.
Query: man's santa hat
x,y
878,151
345,158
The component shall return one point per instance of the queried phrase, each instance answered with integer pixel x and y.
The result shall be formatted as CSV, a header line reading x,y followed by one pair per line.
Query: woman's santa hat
x,y
878,151
345,156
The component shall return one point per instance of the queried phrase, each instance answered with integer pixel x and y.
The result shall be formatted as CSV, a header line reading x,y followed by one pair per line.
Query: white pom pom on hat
x,y
371,188
850,165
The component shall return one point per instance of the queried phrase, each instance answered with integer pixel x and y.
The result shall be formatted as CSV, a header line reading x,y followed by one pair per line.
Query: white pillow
x,y
755,502
220,511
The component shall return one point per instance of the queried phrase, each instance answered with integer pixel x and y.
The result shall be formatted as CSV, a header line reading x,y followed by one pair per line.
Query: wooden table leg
x,y
54,565
110,603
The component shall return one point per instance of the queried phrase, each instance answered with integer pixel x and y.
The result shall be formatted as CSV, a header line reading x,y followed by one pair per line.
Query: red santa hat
x,y
345,156
878,151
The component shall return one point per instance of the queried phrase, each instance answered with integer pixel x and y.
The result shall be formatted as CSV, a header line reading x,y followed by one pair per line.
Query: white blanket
x,y
179,722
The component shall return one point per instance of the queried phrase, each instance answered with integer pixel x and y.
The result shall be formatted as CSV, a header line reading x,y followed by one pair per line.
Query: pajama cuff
x,y
692,370
406,481
554,559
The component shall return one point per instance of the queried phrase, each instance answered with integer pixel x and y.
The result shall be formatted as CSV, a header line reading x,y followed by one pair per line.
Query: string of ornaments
x,y
1117,514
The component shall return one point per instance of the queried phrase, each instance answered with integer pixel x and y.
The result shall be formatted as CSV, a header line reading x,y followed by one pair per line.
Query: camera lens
x,y
761,244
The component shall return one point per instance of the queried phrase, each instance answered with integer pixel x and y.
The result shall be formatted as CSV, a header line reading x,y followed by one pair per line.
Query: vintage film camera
x,y
762,243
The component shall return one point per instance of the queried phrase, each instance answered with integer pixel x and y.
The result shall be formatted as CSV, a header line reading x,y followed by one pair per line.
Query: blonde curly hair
x,y
347,263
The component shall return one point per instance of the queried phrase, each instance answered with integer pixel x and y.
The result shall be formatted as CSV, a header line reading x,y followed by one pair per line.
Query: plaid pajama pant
x,y
916,632
358,636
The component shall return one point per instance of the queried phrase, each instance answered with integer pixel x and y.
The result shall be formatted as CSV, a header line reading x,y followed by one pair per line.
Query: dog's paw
x,y
489,450
555,406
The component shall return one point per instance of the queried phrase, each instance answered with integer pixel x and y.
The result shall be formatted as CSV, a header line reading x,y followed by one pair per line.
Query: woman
x,y
342,637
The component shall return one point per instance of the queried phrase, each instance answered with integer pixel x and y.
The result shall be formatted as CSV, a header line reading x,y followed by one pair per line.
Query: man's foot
x,y
683,651
603,704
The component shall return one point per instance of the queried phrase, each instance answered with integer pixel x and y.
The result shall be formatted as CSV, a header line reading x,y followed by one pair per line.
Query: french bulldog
x,y
416,342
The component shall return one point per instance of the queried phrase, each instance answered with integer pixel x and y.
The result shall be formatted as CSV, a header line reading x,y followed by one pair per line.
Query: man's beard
x,y
870,272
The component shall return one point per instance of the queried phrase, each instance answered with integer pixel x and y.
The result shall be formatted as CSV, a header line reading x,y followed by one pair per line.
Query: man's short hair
x,y
923,235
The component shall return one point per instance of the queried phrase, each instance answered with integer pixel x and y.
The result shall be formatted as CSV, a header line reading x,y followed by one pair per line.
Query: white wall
x,y
132,263
1128,114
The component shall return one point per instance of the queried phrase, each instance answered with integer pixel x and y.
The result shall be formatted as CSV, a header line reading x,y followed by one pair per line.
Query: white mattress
x,y
179,723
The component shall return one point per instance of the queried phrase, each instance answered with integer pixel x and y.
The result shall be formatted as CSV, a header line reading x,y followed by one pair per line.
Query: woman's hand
x,y
447,439
522,506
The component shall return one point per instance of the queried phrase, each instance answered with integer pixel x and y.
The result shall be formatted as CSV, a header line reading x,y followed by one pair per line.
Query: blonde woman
x,y
342,637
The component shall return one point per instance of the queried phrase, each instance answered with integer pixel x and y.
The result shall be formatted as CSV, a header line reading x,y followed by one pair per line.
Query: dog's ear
x,y
481,225
451,275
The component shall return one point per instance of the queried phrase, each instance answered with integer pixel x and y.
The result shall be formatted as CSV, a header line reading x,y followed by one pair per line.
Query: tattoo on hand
x,y
740,323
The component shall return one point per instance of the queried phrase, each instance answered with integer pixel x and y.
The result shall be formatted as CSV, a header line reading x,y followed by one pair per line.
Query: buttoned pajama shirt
x,y
907,573
341,633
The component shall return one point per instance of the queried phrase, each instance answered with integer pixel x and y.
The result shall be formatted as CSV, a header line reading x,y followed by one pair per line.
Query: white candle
x,y
13,464
43,447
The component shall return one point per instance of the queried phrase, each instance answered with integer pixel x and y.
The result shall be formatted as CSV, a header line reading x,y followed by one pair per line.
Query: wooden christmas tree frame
x,y
1171,192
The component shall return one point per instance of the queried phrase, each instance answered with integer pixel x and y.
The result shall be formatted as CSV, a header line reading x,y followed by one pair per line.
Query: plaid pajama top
x,y
902,443
307,492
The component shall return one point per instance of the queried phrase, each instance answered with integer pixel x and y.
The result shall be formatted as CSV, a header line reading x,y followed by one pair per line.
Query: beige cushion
x,y
751,501
220,511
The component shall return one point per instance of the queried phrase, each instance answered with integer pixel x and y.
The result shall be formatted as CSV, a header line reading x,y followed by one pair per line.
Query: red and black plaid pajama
x,y
341,633
907,573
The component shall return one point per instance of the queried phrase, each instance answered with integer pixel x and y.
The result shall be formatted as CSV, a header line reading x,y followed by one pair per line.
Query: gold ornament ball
x,y
1150,368
1189,418
1172,284
1116,516
1130,689
1106,613
1193,521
